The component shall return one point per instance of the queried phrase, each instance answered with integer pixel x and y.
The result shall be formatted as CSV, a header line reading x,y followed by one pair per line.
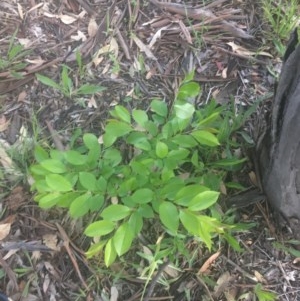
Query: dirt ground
x,y
138,50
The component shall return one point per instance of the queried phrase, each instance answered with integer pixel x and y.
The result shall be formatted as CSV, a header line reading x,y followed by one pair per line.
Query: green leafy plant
x,y
264,295
169,172
13,60
66,85
282,17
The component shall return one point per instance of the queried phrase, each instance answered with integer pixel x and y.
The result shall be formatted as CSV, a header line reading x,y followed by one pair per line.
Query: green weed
x,y
170,172
283,17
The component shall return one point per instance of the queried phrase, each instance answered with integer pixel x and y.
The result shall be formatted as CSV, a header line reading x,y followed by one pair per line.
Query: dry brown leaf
x,y
209,262
50,240
243,51
22,96
260,278
92,103
67,19
3,123
79,37
4,230
144,48
222,284
171,271
92,27
20,11
5,160
114,294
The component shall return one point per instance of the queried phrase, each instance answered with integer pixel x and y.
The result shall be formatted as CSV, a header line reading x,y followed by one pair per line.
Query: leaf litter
x,y
154,43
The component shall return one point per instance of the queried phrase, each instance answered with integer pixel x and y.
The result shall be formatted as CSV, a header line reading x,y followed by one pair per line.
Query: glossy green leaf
x,y
211,118
115,212
95,202
151,127
159,107
123,238
187,193
145,211
115,129
87,180
184,111
49,200
140,117
188,90
136,222
54,166
58,183
40,154
205,138
38,170
66,199
189,221
113,156
99,228
121,113
75,158
79,206
139,140
91,141
161,149
185,140
169,216
95,249
110,253
142,196
203,200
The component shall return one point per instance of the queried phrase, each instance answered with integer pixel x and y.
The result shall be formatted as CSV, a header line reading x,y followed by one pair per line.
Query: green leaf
x,y
139,140
121,113
99,228
161,149
48,82
189,221
203,200
229,162
115,212
66,199
205,138
184,111
136,222
40,154
89,89
151,127
95,249
95,202
264,295
54,166
110,253
211,118
91,141
187,193
169,216
79,206
115,129
75,158
113,156
123,239
159,107
188,90
66,80
58,183
145,211
185,140
142,196
38,170
87,180
49,200
140,117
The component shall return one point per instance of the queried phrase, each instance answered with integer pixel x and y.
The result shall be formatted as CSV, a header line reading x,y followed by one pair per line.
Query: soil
x,y
138,50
